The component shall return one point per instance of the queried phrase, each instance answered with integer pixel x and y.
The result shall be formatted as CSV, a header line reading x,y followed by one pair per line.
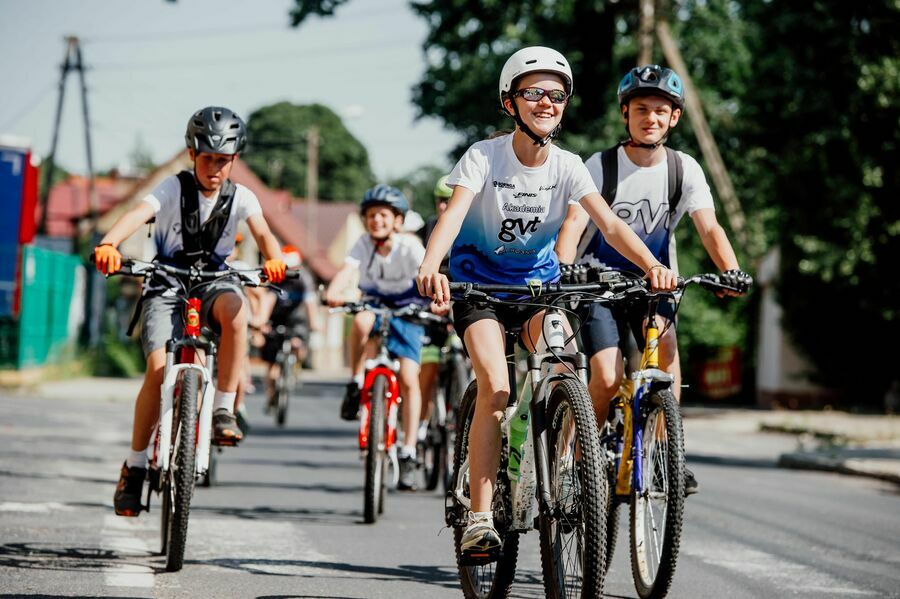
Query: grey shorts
x,y
604,327
163,315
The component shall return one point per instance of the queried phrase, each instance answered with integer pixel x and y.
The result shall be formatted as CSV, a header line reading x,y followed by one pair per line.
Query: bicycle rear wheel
x,y
657,512
375,453
179,486
492,580
434,447
573,535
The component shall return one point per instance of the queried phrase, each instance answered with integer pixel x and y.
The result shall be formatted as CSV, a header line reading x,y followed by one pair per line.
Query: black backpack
x,y
199,240
609,161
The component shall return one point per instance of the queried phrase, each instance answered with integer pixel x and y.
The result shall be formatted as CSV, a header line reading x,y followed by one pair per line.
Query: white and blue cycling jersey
x,y
509,233
642,201
390,278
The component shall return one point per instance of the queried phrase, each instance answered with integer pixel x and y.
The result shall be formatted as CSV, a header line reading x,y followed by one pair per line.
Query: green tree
x,y
824,125
277,151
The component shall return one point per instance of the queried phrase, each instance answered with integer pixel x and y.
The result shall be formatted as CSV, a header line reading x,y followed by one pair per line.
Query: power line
x,y
314,54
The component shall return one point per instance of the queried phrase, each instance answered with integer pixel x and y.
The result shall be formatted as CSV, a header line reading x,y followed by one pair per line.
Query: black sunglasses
x,y
536,94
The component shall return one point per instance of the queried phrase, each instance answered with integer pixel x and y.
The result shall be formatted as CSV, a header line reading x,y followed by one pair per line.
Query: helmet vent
x,y
532,61
217,115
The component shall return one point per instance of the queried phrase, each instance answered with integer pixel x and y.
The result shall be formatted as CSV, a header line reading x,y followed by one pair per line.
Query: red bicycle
x,y
379,402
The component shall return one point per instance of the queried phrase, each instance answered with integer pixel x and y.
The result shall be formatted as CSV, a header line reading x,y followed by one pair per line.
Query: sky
x,y
152,63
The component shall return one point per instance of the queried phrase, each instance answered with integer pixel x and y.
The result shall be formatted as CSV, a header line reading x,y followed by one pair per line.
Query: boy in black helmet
x,y
197,214
650,187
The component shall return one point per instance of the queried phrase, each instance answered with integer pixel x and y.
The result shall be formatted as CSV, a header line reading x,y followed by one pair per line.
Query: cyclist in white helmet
x,y
510,196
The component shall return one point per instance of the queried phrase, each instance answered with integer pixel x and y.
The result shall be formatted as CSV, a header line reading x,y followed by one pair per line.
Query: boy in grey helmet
x,y
197,214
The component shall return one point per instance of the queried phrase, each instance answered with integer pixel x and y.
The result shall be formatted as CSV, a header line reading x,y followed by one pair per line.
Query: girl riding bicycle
x,y
197,214
510,197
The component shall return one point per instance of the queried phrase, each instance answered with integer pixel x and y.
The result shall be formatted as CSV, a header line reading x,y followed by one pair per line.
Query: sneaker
x,y
225,428
480,542
690,483
127,499
350,404
407,481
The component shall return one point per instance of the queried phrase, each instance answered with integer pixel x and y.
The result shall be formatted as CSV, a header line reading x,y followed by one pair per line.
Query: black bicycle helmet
x,y
216,130
385,195
651,79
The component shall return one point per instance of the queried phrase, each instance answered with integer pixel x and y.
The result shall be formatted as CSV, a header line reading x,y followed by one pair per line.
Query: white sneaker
x,y
480,542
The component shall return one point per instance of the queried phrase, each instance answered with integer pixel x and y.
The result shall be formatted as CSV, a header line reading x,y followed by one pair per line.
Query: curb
x,y
813,461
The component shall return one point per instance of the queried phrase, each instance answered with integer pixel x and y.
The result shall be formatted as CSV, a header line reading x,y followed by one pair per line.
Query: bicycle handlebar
x,y
408,312
139,268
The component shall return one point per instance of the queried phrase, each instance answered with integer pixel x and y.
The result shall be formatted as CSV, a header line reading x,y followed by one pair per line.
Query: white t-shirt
x,y
510,230
166,202
391,277
642,201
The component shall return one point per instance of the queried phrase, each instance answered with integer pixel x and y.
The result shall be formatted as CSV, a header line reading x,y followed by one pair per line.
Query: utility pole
x,y
312,184
648,10
73,61
719,173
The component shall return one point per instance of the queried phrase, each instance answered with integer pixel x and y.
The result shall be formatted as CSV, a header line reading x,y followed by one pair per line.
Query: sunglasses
x,y
536,94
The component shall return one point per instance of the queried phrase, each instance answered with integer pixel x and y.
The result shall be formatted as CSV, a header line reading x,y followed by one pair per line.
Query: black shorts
x,y
274,342
509,315
604,327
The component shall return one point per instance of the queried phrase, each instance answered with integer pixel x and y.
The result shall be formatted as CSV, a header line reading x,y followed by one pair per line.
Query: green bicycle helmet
x,y
441,189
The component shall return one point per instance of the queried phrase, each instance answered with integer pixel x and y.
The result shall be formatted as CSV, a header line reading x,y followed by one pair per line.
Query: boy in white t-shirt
x,y
510,196
651,188
387,262
197,215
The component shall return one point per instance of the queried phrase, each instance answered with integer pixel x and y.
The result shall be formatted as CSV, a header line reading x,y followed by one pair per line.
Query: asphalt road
x,y
286,518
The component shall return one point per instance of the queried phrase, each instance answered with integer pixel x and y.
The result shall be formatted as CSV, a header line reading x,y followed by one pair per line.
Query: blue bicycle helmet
x,y
385,195
649,80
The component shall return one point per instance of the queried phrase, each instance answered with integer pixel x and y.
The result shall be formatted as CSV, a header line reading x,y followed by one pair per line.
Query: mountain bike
x,y
437,448
379,401
550,457
181,443
645,444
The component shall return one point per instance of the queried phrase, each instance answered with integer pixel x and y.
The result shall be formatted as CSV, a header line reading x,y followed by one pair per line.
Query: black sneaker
x,y
127,499
226,431
690,483
407,481
350,404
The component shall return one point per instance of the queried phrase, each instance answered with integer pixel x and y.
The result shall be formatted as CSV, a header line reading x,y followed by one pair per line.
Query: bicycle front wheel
x,y
573,534
179,486
434,446
490,580
657,510
375,454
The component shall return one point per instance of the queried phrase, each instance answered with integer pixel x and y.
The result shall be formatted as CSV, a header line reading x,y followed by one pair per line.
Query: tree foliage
x,y
418,186
277,151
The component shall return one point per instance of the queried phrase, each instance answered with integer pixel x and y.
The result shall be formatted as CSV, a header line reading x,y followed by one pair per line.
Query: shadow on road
x,y
47,556
307,515
305,432
58,477
316,465
338,489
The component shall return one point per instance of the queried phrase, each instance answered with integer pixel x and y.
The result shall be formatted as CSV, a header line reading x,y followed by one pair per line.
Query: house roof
x,y
68,202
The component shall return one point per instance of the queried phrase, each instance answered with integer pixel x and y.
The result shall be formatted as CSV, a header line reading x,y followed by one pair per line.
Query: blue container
x,y
12,178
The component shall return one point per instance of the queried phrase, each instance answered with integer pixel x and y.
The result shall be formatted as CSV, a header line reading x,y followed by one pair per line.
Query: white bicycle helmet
x,y
534,59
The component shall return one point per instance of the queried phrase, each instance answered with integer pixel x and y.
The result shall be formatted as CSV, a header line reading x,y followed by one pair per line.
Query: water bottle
x,y
518,435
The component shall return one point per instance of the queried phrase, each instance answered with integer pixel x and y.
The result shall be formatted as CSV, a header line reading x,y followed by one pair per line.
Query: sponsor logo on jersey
x,y
641,217
503,185
524,194
547,187
506,249
507,207
511,228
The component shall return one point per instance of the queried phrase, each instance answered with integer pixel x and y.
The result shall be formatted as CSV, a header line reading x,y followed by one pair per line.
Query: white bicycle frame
x,y
523,491
167,403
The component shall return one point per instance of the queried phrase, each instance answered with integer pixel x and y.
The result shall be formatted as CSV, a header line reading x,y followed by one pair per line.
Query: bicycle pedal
x,y
480,558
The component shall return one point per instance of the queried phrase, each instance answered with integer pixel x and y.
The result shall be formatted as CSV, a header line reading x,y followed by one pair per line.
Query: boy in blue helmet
x,y
650,187
387,262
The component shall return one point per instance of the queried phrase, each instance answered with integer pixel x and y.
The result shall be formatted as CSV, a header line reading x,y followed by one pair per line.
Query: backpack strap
x,y
199,240
676,178
609,162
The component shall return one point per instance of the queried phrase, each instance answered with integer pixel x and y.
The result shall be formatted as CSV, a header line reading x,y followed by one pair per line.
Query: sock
x,y
406,451
136,459
224,399
423,430
481,517
359,379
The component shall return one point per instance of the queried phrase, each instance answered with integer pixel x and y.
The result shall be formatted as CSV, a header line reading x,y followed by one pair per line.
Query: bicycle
x,y
379,401
645,443
181,443
287,363
561,468
437,448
